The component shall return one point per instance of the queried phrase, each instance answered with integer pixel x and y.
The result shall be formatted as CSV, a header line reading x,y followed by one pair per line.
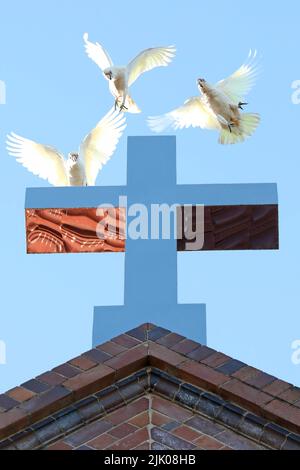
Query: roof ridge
x,y
154,346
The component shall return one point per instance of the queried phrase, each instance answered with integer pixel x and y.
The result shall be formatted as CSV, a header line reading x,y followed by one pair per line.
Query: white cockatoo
x,y
122,77
219,107
80,169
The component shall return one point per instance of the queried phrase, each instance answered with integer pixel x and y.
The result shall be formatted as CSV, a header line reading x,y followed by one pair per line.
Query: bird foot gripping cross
x,y
236,217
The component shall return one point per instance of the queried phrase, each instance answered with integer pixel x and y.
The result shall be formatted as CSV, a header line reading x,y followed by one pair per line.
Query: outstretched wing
x,y
43,161
97,53
193,113
238,85
100,144
148,60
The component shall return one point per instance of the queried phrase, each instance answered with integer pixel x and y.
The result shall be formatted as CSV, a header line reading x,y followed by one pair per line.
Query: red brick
x,y
144,446
88,433
201,353
67,371
60,445
97,356
244,394
113,349
47,403
20,394
129,411
122,430
215,360
292,395
156,333
288,415
171,410
51,378
159,419
170,340
186,433
35,386
102,442
90,381
201,375
132,441
245,373
168,439
140,333
12,421
186,346
237,441
129,361
160,357
208,443
7,403
126,341
277,387
259,380
83,363
141,420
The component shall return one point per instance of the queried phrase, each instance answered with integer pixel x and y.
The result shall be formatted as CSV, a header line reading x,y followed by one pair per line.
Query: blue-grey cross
x,y
151,264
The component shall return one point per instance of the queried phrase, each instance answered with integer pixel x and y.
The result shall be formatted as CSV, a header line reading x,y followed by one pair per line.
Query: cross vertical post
x,y
236,217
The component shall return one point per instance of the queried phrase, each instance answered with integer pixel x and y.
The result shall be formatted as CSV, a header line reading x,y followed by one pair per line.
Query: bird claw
x,y
240,105
118,106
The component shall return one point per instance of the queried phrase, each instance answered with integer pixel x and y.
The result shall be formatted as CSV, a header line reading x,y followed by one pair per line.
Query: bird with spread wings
x,y
122,77
219,107
80,169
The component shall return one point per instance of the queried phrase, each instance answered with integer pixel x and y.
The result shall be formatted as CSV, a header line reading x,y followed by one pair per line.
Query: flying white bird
x,y
122,77
80,169
219,107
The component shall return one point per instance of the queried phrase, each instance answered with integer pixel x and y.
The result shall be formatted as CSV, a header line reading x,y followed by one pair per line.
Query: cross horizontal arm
x,y
73,197
227,194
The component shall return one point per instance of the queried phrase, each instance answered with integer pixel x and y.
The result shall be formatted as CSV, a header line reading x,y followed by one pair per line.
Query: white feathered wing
x,y
97,53
193,113
148,60
42,160
239,84
100,144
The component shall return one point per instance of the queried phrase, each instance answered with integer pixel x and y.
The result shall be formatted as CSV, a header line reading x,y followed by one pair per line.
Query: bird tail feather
x,y
131,106
248,124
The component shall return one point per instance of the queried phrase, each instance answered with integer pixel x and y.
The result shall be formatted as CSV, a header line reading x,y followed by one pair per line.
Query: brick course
x,y
186,396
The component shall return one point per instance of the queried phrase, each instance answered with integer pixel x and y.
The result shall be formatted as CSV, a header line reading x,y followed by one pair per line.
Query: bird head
x,y
73,156
108,74
201,83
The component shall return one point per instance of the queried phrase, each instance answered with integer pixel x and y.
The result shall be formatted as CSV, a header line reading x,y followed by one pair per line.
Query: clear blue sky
x,y
55,94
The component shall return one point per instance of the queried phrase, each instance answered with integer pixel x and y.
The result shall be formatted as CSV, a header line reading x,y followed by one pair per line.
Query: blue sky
x,y
55,94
